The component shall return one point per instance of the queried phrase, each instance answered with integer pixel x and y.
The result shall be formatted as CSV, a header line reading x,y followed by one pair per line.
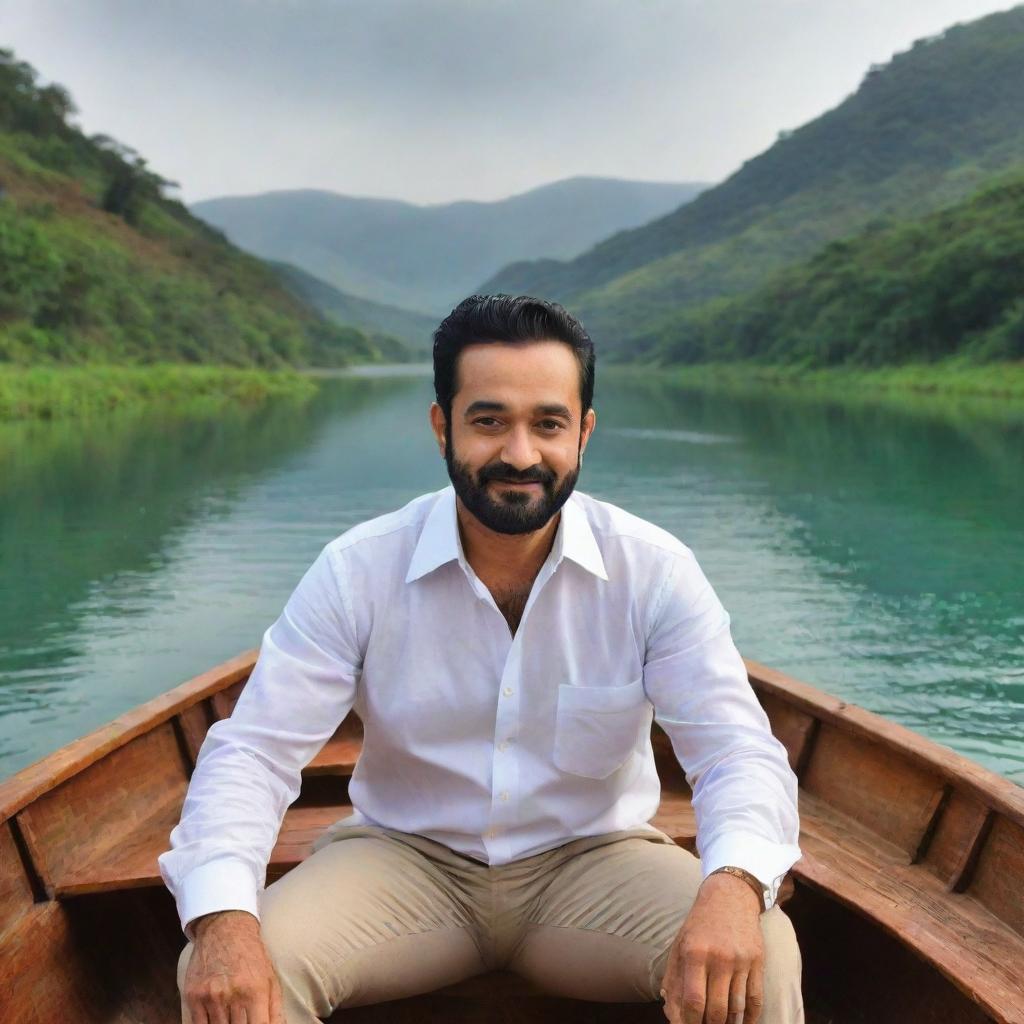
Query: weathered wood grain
x,y
15,889
998,878
107,807
957,832
893,797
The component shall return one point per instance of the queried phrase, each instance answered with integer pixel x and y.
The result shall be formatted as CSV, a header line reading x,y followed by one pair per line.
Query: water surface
x,y
872,551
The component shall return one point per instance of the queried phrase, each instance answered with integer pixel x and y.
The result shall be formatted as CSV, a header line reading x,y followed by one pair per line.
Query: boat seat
x,y
133,863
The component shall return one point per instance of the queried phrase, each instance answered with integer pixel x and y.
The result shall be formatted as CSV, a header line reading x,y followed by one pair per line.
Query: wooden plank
x,y
223,702
957,839
100,810
301,826
677,819
42,776
193,723
135,863
893,797
131,864
998,877
16,895
338,757
794,727
43,973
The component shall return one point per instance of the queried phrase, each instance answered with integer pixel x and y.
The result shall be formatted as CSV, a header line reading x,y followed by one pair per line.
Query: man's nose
x,y
519,450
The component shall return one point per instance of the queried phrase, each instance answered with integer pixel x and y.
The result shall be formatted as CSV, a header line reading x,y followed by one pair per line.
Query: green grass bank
x,y
950,378
65,392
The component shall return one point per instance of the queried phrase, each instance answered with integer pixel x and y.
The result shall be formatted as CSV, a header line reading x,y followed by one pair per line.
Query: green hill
x,y
946,284
97,265
414,330
925,130
428,258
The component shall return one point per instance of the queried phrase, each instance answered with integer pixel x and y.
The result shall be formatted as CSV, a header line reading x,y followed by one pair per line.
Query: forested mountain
x,y
97,264
414,330
951,282
427,258
927,129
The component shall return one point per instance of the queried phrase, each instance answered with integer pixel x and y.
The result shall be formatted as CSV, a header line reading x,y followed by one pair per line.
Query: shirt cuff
x,y
768,862
220,884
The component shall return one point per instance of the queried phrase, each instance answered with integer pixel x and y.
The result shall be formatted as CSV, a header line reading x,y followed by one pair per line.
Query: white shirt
x,y
498,746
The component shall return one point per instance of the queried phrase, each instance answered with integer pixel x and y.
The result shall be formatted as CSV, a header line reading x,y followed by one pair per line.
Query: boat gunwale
x,y
46,774
999,793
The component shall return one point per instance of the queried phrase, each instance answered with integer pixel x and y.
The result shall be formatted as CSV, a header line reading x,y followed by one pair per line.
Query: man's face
x,y
513,444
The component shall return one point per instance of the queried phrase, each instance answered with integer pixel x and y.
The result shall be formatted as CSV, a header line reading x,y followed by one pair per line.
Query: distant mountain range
x,y
927,129
414,330
427,258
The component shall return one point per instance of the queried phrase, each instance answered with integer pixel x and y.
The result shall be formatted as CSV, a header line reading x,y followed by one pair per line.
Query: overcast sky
x,y
435,100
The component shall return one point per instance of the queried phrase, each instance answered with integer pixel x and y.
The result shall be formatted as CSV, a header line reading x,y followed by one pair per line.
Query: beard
x,y
511,511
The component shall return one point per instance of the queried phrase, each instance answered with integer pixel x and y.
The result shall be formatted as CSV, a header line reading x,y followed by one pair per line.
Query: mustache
x,y
501,471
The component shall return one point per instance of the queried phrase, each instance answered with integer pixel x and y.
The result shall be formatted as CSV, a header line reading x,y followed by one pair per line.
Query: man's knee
x,y
783,966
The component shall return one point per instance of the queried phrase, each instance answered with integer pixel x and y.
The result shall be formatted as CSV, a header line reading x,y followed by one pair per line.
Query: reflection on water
x,y
871,551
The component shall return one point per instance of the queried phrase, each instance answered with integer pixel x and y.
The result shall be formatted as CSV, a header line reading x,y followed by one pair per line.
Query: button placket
x,y
504,762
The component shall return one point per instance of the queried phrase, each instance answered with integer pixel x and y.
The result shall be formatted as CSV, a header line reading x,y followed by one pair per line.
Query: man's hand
x,y
715,969
230,977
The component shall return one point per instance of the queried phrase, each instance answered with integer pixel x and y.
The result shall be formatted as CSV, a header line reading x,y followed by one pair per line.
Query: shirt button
x,y
504,794
507,691
491,833
503,745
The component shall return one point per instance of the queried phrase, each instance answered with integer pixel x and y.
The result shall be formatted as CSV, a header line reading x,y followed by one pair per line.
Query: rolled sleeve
x,y
744,791
249,767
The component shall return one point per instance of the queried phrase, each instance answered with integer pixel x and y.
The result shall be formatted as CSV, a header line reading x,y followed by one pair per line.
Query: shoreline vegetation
x,y
70,392
948,378
80,392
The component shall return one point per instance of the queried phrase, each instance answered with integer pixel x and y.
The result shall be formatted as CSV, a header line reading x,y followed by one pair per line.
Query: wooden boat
x,y
908,902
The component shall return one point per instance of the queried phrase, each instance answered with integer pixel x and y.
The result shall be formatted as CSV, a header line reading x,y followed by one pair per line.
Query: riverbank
x,y
71,392
951,378
75,392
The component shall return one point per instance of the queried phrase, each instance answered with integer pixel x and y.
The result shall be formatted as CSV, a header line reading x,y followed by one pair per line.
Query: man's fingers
x,y
695,990
755,993
717,1008
238,1013
216,1011
197,1013
738,999
262,1006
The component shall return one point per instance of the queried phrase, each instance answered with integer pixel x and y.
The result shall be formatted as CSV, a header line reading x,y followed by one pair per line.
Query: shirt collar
x,y
439,540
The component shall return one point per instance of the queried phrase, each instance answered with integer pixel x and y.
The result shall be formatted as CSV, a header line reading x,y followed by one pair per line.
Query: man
x,y
505,642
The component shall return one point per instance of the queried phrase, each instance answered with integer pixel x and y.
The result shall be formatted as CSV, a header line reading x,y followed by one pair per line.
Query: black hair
x,y
507,318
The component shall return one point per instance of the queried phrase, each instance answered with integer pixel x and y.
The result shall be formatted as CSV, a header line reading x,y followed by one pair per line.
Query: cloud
x,y
432,101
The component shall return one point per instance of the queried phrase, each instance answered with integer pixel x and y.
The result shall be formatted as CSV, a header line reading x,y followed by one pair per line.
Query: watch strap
x,y
747,877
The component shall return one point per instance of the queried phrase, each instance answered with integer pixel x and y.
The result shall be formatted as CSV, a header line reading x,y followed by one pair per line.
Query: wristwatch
x,y
764,894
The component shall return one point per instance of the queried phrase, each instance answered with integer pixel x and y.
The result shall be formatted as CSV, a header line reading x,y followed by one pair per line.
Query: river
x,y
874,551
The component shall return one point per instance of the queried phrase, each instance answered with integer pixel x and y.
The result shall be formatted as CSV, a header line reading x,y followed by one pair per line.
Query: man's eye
x,y
551,425
485,421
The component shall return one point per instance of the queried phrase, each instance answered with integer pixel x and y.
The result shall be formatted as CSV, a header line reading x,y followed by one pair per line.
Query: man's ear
x,y
587,428
437,424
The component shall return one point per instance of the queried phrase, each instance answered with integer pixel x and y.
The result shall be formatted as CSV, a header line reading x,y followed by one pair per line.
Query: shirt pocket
x,y
597,728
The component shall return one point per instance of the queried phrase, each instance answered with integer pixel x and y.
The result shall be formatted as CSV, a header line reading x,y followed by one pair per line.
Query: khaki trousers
x,y
375,914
